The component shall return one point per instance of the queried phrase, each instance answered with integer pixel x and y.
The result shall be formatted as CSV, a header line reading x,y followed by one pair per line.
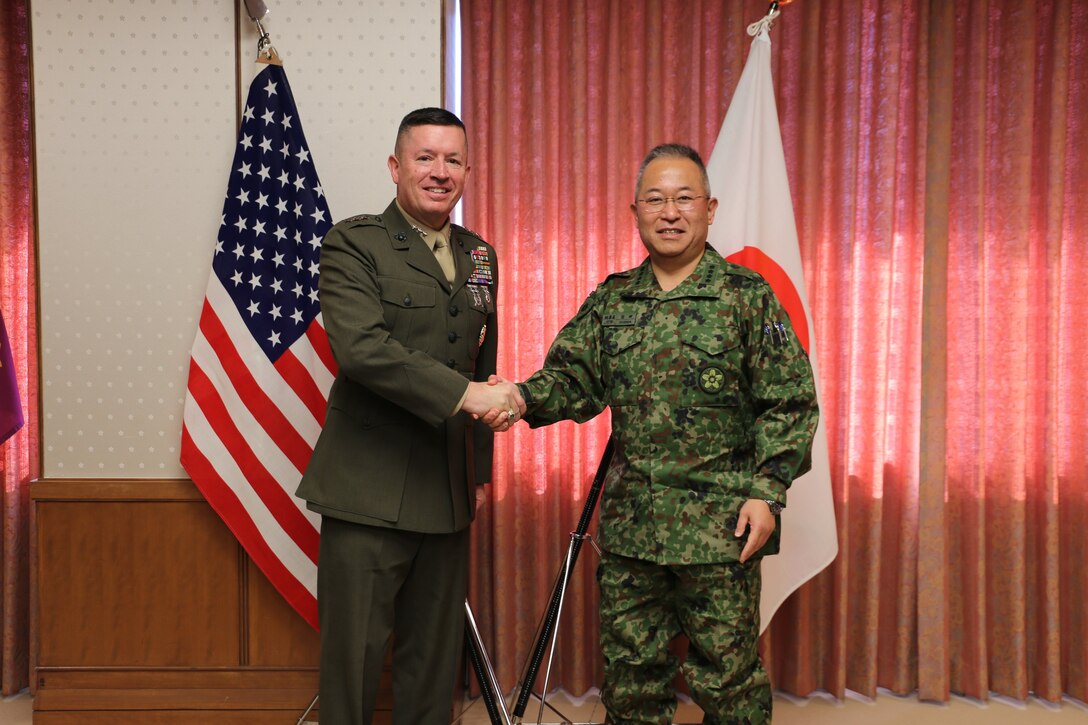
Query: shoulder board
x,y
737,270
465,230
374,220
625,274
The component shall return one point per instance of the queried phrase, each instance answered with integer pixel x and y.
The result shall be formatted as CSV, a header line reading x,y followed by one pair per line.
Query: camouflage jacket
x,y
712,398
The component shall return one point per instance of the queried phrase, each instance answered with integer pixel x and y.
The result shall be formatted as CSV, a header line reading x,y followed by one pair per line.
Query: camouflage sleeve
x,y
569,385
784,395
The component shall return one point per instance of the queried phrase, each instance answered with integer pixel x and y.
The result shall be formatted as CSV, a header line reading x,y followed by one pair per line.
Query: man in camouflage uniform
x,y
713,413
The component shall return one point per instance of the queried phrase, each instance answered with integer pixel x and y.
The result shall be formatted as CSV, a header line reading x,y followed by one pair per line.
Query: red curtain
x,y
938,180
19,455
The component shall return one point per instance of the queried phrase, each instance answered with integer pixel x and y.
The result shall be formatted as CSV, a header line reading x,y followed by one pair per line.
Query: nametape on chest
x,y
618,320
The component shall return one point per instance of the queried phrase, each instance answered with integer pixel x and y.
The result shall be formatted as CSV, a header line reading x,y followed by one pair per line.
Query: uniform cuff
x,y
768,489
525,394
457,408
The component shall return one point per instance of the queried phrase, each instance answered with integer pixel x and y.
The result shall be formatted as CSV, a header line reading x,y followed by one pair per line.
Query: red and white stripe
x,y
249,429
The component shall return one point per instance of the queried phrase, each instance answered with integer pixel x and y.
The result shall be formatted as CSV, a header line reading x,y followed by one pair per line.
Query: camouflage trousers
x,y
645,605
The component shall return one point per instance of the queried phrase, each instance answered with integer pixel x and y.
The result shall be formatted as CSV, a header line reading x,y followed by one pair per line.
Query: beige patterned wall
x,y
135,125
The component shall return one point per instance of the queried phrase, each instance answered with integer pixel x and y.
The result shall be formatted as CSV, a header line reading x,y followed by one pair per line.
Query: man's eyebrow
x,y
657,190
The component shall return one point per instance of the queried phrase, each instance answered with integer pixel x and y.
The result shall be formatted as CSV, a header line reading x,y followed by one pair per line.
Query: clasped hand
x,y
498,403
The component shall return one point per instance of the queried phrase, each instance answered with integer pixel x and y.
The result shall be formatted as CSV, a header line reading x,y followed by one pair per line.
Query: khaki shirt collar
x,y
430,236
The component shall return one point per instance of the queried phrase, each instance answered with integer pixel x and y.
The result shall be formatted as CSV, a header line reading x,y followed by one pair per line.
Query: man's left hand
x,y
757,515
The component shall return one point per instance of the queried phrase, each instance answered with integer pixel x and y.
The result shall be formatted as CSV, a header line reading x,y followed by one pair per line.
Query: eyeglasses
x,y
656,204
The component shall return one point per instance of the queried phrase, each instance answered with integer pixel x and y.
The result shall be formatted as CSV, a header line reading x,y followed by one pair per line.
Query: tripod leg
x,y
302,718
555,629
552,612
485,673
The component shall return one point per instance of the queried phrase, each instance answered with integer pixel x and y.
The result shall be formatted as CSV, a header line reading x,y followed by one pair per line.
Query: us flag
x,y
261,365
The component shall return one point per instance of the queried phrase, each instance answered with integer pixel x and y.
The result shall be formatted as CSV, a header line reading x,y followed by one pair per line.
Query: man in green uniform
x,y
713,412
408,301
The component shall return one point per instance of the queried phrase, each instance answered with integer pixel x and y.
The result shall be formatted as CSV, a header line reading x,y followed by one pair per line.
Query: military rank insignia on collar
x,y
481,267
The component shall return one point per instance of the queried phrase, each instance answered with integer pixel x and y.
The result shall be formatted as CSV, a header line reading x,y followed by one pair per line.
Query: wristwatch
x,y
774,506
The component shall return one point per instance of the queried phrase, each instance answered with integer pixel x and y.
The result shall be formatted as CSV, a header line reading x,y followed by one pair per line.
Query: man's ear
x,y
394,167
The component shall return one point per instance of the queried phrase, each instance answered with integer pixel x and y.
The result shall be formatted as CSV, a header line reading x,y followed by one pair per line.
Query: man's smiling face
x,y
429,169
671,233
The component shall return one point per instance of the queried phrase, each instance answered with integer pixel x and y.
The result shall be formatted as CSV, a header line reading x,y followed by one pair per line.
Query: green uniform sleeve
x,y
569,385
784,395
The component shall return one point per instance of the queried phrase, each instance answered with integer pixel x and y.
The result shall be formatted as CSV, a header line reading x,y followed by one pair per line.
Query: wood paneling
x,y
133,583
277,636
147,610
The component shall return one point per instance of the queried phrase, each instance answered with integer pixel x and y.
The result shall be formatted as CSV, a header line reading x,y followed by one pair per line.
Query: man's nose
x,y
440,169
670,210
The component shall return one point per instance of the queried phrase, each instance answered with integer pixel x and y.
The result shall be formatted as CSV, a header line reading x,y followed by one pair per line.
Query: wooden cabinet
x,y
147,611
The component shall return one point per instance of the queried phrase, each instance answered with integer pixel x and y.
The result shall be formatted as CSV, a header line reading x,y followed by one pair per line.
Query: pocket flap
x,y
403,293
712,343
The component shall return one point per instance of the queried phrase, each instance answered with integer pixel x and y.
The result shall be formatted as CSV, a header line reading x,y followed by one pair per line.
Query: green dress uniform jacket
x,y
406,342
712,399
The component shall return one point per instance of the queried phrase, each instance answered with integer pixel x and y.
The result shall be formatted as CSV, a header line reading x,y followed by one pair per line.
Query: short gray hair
x,y
673,151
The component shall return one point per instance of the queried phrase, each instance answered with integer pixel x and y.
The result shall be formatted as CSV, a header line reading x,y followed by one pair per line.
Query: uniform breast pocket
x,y
626,372
712,366
402,302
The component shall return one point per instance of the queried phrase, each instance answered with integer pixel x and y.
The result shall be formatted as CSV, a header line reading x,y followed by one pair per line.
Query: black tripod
x,y
481,664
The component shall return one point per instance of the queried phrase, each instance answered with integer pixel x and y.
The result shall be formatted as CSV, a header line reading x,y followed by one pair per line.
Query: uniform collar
x,y
704,281
430,236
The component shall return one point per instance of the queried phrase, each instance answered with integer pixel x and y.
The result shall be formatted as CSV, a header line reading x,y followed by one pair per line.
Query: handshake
x,y
498,403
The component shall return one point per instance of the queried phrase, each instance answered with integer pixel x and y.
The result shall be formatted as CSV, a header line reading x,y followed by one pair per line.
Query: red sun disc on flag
x,y
756,260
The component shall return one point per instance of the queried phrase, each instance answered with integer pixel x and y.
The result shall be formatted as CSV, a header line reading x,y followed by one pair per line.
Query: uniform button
x,y
454,310
451,363
407,300
453,336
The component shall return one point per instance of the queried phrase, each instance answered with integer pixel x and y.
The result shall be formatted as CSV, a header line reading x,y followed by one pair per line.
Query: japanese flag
x,y
754,227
